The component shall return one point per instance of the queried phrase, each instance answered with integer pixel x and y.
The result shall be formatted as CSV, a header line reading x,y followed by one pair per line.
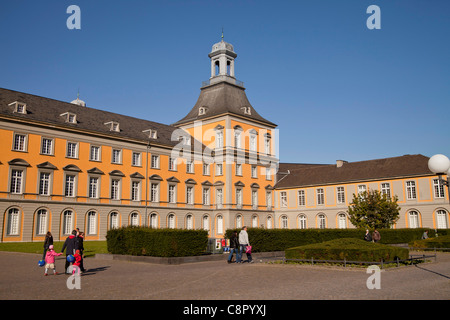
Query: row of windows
x,y
70,189
72,151
411,193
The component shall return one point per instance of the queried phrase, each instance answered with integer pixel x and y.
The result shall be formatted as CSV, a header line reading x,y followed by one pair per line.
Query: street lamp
x,y
440,165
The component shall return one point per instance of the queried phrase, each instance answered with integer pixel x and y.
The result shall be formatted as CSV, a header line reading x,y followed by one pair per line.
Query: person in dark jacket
x,y
367,236
70,245
47,243
234,246
81,248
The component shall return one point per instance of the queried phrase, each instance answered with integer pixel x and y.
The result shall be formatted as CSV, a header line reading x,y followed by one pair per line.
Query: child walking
x,y
50,260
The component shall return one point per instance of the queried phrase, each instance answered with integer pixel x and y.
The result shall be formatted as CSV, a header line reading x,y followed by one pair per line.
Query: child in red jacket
x,y
76,264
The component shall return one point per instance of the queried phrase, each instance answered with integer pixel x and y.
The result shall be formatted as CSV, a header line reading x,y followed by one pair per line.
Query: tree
x,y
373,210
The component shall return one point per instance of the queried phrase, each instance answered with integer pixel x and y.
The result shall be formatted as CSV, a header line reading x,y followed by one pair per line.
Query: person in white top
x,y
243,243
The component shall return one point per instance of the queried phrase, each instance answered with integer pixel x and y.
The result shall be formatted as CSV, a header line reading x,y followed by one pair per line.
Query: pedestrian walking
x,y
47,242
243,244
234,247
367,236
70,245
376,236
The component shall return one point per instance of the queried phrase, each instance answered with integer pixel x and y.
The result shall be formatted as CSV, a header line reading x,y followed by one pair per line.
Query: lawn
x,y
90,247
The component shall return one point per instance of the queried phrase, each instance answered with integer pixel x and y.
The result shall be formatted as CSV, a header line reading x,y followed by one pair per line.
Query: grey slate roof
x,y
303,175
222,98
48,111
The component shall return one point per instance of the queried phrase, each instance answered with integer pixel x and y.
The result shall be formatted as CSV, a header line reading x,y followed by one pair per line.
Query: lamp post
x,y
440,165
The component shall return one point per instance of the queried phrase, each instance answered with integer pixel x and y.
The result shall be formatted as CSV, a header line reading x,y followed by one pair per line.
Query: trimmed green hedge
x,y
439,242
349,249
144,241
267,240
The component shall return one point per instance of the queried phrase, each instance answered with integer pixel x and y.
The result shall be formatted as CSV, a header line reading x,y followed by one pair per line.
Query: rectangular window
x,y
47,146
70,186
252,142
189,166
362,188
301,198
93,187
219,198
116,156
172,195
386,189
72,150
340,195
95,153
154,192
190,195
115,189
438,188
254,199
219,139
16,181
239,198
268,174
206,196
219,169
44,184
254,172
238,169
19,143
135,190
410,190
136,159
155,162
283,199
206,169
269,200
172,164
320,196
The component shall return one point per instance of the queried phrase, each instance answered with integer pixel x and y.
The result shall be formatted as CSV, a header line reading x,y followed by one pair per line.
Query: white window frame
x,y
115,189
340,192
116,156
136,159
283,199
72,150
17,179
135,190
92,222
94,187
154,192
438,187
70,185
13,226
301,198
47,146
320,196
411,193
206,197
172,193
95,153
20,142
154,161
45,179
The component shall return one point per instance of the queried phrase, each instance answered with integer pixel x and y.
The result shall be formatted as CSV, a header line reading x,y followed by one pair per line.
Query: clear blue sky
x,y
336,89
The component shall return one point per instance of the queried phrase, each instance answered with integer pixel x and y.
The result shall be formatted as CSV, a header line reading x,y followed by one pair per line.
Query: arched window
x,y
134,219
238,221
302,221
342,221
92,223
67,226
219,224
41,222
114,220
321,221
189,222
442,219
205,222
255,221
284,222
13,222
171,221
413,217
154,220
269,222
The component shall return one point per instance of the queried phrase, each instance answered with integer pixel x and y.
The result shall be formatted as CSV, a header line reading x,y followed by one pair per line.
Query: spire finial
x,y
222,33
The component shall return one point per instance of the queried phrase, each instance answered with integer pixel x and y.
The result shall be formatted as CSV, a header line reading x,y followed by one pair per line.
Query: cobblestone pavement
x,y
21,278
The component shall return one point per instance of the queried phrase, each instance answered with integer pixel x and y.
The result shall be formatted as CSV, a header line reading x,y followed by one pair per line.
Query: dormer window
x,y
114,126
19,107
202,111
69,117
152,134
247,110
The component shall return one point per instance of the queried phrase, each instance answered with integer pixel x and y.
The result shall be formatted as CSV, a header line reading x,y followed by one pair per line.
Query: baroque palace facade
x,y
65,165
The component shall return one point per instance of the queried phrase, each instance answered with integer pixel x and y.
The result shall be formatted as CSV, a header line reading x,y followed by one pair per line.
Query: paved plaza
x,y
21,278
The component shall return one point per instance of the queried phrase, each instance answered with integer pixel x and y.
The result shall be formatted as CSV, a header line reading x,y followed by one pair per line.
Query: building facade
x,y
65,165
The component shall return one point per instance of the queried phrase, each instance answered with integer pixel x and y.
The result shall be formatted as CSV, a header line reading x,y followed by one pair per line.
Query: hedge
x,y
439,242
144,241
349,249
267,240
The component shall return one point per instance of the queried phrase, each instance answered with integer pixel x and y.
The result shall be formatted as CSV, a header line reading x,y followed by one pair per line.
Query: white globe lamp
x,y
439,164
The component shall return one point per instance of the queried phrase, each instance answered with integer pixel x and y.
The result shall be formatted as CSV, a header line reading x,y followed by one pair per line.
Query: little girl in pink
x,y
50,260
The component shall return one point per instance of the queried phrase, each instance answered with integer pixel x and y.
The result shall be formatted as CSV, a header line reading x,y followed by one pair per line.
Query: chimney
x,y
340,163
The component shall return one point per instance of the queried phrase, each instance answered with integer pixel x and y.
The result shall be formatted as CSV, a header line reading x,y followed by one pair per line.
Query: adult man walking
x,y
71,244
243,243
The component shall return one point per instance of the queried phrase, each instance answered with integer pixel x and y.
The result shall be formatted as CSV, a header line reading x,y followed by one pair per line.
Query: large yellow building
x,y
65,165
